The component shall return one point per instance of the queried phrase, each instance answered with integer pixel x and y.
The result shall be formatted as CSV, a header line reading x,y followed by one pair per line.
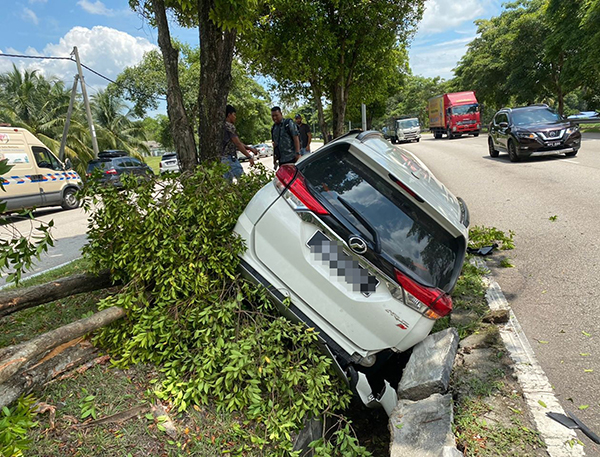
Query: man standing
x,y
286,143
305,135
232,144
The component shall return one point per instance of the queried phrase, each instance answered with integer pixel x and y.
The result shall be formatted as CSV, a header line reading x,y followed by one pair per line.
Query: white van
x,y
37,178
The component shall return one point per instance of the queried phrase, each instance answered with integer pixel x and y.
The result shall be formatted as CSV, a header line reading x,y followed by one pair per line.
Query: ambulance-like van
x,y
37,178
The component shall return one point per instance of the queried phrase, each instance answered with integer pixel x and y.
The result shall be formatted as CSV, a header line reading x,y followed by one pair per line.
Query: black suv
x,y
114,163
532,131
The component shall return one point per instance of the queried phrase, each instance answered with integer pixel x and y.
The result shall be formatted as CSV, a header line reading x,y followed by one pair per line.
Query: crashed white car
x,y
367,244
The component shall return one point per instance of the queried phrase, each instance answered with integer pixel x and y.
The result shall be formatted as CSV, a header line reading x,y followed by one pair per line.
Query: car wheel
x,y
512,151
418,139
69,199
437,135
571,154
476,134
493,152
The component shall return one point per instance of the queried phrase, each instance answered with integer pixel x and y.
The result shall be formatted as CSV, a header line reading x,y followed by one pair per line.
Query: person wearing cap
x,y
232,144
305,135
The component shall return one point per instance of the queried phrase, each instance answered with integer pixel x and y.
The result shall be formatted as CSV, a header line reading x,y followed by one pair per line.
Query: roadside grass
x,y
593,128
153,162
78,266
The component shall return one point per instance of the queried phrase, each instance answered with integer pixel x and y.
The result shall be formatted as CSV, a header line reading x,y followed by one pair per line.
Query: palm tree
x,y
114,129
29,100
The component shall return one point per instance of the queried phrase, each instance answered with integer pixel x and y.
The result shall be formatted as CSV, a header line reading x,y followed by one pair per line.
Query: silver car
x,y
367,244
169,163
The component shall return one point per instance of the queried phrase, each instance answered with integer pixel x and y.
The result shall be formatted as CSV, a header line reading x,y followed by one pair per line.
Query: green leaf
x,y
542,404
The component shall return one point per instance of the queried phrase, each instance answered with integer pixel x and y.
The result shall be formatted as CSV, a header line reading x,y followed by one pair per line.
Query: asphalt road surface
x,y
69,234
553,206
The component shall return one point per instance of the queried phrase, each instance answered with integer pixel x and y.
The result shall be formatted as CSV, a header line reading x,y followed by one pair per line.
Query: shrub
x,y
216,337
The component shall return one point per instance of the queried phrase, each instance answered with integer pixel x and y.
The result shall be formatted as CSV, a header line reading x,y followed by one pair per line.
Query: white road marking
x,y
560,441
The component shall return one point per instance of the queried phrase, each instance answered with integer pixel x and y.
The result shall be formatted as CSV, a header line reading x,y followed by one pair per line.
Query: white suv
x,y
169,163
367,244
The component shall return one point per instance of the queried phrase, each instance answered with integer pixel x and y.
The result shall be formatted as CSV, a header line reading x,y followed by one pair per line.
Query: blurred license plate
x,y
341,265
554,143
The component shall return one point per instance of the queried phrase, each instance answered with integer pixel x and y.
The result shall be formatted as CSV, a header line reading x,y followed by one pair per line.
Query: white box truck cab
x,y
37,178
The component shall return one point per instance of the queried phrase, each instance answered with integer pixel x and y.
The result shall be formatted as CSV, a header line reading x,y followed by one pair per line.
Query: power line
x,y
21,56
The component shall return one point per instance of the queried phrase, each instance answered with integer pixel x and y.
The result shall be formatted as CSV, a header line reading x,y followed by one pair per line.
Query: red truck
x,y
454,114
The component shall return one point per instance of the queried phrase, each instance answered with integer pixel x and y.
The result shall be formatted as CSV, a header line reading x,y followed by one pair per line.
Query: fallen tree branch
x,y
54,364
18,299
24,353
118,417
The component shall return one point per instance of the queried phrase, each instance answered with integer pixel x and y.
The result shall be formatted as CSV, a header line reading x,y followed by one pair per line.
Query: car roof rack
x,y
108,153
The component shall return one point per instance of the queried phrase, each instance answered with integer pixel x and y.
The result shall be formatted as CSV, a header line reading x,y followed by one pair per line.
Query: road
x,y
554,285
69,234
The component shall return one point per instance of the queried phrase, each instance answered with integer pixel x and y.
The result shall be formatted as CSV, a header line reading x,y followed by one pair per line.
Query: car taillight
x,y
438,302
160,165
112,171
289,177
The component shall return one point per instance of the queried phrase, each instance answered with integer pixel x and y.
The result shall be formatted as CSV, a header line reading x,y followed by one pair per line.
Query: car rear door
x,y
309,253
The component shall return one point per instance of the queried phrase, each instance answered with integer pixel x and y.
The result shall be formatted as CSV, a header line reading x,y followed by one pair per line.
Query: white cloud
x,y
442,15
96,7
438,59
30,16
107,51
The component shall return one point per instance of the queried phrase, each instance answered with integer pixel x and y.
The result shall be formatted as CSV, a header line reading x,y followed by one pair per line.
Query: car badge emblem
x,y
552,134
357,244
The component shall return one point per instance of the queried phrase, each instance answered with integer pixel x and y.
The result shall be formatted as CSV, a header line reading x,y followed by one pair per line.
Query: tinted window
x,y
45,159
169,156
408,236
501,117
136,163
123,162
535,116
100,164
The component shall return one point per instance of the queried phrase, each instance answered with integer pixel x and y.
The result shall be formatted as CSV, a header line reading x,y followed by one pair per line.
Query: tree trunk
x,y
216,56
16,300
14,358
320,115
52,366
338,108
181,129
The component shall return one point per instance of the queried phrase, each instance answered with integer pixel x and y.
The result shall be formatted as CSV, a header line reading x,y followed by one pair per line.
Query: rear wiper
x,y
364,222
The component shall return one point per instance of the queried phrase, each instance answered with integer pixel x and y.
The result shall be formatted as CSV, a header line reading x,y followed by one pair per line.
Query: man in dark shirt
x,y
305,135
286,143
232,144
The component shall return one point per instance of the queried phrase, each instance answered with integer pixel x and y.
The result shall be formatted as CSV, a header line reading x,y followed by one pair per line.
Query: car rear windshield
x,y
535,116
407,234
169,156
102,164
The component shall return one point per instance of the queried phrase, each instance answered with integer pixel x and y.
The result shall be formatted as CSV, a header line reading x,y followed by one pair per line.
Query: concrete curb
x,y
560,441
39,273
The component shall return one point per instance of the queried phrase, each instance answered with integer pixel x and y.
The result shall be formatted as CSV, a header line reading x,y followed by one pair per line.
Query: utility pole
x,y
63,142
87,103
363,110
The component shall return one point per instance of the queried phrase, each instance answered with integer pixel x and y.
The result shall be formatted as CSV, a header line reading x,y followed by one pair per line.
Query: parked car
x,y
586,115
532,131
264,149
242,158
113,164
367,244
169,163
37,177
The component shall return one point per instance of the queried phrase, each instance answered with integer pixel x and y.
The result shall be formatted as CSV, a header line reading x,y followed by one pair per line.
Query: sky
x,y
109,36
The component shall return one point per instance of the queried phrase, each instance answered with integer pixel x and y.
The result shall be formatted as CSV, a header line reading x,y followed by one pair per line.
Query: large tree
x,y
327,47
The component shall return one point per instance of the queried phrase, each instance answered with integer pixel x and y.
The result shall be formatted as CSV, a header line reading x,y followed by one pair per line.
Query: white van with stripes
x,y
37,177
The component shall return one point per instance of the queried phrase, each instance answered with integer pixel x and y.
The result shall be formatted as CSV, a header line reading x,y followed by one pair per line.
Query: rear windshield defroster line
x,y
409,237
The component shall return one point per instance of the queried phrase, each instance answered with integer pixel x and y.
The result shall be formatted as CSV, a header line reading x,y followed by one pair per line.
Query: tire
x,y
437,135
476,134
69,199
418,139
492,151
571,154
512,151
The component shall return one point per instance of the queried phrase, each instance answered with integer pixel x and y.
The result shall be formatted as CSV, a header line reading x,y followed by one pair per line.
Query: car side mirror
x,y
68,164
503,125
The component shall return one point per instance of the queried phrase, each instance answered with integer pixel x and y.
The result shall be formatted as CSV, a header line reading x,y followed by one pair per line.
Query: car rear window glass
x,y
169,156
135,163
407,234
535,116
100,164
